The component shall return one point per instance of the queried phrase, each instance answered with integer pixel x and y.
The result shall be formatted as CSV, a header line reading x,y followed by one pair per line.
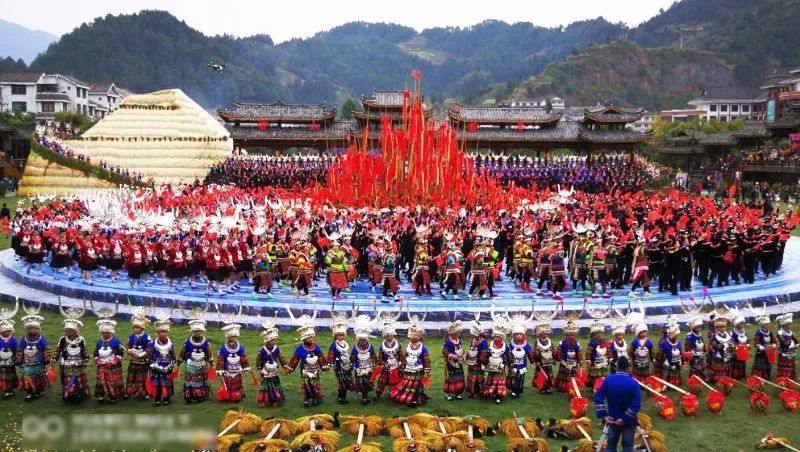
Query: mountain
x,y
17,41
154,50
724,45
714,42
754,37
627,74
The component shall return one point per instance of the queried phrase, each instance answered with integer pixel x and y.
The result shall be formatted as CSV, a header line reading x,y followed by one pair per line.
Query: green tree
x,y
348,108
78,122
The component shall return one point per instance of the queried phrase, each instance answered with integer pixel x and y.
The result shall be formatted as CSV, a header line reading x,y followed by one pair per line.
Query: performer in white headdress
x,y
454,356
497,361
787,366
108,355
33,355
8,352
308,356
415,366
73,357
137,350
339,355
695,345
389,357
476,358
196,353
363,358
232,361
568,354
161,354
269,362
765,343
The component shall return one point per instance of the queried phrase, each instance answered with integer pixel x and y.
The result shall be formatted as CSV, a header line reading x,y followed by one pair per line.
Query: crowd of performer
x,y
248,171
590,244
497,360
54,144
608,172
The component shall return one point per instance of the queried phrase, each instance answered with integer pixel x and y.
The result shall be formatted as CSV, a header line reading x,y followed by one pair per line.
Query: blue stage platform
x,y
781,288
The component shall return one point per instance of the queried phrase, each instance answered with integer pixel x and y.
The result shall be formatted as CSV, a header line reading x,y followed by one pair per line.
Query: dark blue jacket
x,y
624,398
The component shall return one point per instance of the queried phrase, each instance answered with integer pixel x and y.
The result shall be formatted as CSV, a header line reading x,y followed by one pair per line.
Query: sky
x,y
287,19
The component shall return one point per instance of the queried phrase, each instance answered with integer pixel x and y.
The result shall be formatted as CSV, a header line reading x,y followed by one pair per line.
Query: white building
x,y
18,91
728,104
104,98
56,92
556,103
645,124
48,94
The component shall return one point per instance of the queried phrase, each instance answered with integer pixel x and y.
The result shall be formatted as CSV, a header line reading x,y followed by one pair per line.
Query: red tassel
x,y
51,375
394,377
149,388
222,394
577,406
581,377
212,374
376,372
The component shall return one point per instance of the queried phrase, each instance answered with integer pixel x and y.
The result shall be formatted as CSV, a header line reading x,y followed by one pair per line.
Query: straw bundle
x,y
265,445
324,439
528,445
250,423
373,425
394,427
225,442
323,421
287,427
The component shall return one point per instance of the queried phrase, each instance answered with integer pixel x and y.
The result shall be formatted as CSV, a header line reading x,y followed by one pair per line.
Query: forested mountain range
x,y
692,44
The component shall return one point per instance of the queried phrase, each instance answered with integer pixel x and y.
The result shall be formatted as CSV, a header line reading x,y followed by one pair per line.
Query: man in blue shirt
x,y
624,400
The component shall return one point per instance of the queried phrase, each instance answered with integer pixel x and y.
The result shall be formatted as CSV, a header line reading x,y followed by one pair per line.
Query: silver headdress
x,y
71,316
7,316
196,317
140,315
519,322
306,323
270,326
105,321
231,328
163,321
475,327
499,324
341,320
415,324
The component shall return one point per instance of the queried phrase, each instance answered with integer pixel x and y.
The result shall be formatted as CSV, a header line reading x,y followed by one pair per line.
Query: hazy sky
x,y
286,19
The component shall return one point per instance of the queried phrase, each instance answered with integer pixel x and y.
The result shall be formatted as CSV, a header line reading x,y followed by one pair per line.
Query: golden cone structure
x,y
164,135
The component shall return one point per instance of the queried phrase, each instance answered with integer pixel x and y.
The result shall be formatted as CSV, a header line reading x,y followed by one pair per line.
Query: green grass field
x,y
736,428
11,202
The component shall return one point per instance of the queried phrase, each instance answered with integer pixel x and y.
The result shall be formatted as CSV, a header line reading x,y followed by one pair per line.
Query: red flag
x,y
212,374
541,380
175,374
732,190
416,75
51,375
426,382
